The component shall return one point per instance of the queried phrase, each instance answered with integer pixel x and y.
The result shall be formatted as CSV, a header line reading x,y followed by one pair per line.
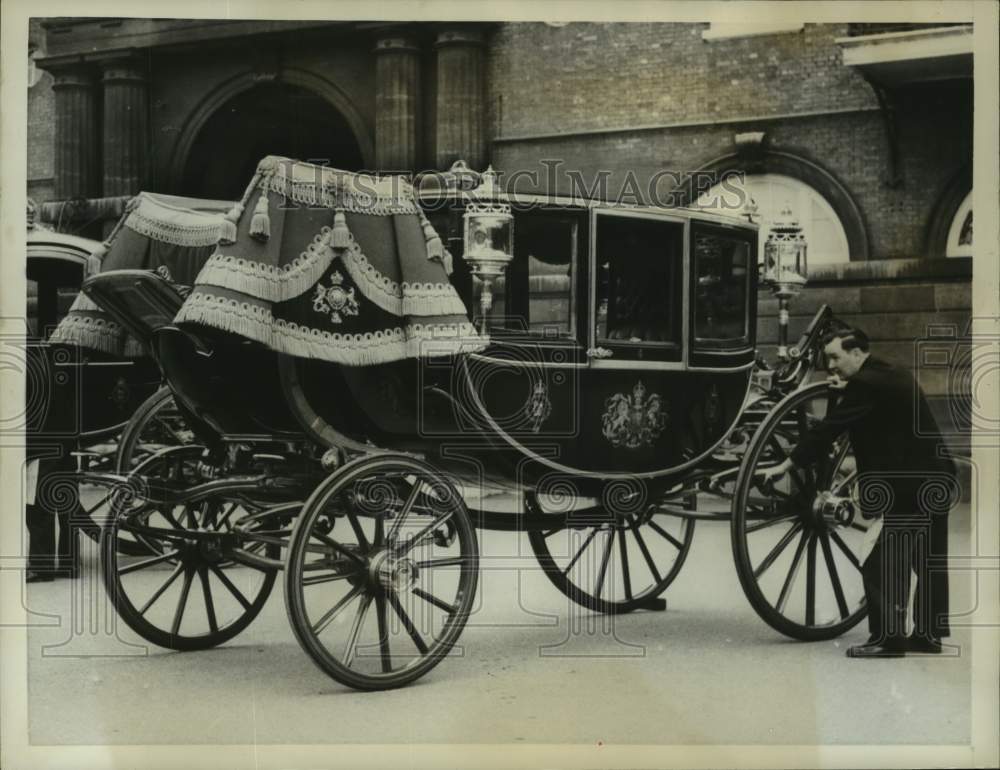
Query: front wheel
x,y
381,572
799,543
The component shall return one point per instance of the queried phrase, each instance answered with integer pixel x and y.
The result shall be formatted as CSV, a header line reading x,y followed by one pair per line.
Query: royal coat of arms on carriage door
x,y
634,421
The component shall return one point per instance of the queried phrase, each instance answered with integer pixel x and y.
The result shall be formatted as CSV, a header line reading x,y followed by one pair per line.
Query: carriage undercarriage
x,y
394,538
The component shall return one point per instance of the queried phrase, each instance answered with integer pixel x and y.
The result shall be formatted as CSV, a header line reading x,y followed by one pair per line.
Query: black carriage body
x,y
622,343
72,394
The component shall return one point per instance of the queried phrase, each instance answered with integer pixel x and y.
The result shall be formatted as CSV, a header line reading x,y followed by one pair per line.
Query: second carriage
x,y
371,374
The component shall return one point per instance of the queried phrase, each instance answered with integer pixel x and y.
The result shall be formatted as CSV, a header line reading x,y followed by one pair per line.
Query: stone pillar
x,y
461,103
77,147
397,103
126,126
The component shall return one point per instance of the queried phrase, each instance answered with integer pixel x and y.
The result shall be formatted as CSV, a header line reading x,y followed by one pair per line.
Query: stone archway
x,y
252,120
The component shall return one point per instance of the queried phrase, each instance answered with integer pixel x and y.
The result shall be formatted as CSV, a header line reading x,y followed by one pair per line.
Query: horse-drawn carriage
x,y
363,366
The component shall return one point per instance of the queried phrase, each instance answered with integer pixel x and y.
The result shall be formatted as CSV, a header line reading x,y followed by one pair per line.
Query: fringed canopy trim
x,y
313,185
99,334
170,224
281,283
379,347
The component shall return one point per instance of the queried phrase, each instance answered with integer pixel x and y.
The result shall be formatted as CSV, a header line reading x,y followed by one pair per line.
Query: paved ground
x,y
705,671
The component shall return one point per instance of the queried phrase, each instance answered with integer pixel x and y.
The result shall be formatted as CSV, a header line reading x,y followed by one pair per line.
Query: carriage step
x,y
656,604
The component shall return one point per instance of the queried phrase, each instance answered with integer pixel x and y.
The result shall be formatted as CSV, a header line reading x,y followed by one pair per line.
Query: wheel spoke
x,y
159,592
359,621
451,561
811,581
147,563
451,609
770,522
409,544
623,551
213,624
847,551
332,613
608,546
232,588
646,555
313,580
831,566
397,524
777,550
792,572
383,634
182,601
407,623
358,532
673,540
329,541
591,536
848,479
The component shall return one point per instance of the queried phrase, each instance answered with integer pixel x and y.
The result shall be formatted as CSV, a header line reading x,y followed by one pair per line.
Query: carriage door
x,y
636,334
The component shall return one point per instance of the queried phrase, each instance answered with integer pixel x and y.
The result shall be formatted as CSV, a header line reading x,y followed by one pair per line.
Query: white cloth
x,y
868,543
31,481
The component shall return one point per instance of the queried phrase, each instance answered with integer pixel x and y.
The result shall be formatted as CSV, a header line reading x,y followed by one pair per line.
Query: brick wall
x,y
556,92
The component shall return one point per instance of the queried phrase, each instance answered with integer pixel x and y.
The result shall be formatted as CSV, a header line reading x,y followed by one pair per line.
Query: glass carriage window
x,y
638,276
537,293
721,272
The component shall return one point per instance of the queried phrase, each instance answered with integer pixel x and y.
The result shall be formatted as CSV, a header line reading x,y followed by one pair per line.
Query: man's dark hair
x,y
850,338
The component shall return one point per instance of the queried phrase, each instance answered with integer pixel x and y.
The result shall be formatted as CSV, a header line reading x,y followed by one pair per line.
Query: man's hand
x,y
835,382
769,475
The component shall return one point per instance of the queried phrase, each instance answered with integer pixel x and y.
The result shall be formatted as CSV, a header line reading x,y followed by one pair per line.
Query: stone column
x,y
461,103
126,126
397,103
77,147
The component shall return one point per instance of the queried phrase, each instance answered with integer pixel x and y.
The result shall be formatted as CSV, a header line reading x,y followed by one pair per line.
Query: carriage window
x,y
721,280
537,292
638,298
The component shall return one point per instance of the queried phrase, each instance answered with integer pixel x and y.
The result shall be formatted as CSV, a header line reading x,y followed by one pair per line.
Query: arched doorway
x,y
267,119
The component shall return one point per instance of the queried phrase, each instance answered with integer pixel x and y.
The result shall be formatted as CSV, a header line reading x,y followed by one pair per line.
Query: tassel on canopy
x,y
227,230
435,249
260,225
340,237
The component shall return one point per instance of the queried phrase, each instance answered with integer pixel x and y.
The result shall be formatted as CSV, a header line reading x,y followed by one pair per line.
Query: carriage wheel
x,y
155,425
797,542
184,591
615,558
381,572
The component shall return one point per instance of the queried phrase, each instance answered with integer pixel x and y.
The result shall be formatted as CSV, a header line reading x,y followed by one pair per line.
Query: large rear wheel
x,y
798,542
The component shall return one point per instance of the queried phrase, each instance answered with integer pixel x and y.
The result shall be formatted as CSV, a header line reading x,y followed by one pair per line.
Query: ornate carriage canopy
x,y
164,234
333,265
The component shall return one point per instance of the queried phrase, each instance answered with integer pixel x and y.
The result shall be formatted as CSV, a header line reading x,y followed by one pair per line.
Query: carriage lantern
x,y
785,269
489,239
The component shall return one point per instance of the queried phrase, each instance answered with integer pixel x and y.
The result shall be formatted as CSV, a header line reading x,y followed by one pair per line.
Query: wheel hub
x,y
388,571
828,506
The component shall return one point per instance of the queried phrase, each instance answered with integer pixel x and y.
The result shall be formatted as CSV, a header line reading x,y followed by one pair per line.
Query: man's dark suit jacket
x,y
881,408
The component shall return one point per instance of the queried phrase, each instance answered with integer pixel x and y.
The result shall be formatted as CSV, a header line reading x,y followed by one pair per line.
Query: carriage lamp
x,y
785,269
489,240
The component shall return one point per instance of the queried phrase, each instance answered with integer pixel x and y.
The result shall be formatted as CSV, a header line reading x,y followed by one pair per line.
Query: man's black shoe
x,y
924,645
887,648
39,577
